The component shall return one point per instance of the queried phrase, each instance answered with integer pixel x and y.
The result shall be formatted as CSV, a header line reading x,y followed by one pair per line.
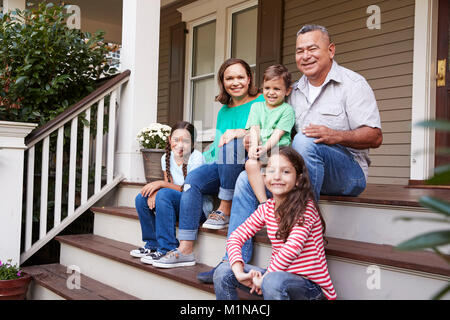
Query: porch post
x,y
11,5
12,147
424,89
138,106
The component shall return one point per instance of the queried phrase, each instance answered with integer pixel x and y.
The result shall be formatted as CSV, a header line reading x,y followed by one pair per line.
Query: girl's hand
x,y
151,201
152,187
257,283
245,278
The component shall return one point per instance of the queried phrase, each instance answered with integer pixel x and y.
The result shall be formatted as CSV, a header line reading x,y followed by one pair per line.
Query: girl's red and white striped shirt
x,y
303,253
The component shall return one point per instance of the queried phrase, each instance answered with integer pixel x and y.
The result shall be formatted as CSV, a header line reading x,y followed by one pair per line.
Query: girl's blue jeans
x,y
217,178
159,225
278,285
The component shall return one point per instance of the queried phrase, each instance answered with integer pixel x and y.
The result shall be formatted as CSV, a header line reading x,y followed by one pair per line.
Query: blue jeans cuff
x,y
226,194
187,234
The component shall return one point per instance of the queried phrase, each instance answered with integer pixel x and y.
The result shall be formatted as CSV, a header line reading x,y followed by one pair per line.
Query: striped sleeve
x,y
294,244
245,231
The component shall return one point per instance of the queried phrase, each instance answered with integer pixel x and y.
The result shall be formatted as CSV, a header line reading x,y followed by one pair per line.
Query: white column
x,y
11,5
138,106
424,88
12,135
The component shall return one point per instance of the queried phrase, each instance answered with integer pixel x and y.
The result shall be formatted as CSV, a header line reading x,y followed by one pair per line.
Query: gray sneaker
x,y
174,259
216,220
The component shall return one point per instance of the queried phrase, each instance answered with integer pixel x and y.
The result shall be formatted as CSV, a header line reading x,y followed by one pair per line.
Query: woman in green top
x,y
218,176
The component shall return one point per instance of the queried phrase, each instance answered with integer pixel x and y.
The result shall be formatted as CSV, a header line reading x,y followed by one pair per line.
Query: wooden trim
x,y
423,184
379,194
40,133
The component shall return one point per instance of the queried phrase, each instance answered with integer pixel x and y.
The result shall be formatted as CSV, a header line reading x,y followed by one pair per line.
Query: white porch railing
x,y
42,149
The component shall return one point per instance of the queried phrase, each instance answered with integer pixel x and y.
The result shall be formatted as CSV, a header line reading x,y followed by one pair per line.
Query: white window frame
x,y
198,13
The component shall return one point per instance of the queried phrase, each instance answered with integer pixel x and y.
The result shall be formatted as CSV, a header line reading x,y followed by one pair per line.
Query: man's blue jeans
x,y
275,286
214,178
159,225
332,169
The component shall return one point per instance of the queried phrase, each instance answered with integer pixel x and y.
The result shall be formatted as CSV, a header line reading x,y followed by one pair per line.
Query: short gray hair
x,y
314,27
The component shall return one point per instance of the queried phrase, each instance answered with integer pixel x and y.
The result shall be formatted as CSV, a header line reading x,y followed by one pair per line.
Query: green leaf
x,y
427,240
20,80
439,295
435,204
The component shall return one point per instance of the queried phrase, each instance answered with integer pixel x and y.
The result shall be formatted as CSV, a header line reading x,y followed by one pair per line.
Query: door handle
x,y
442,68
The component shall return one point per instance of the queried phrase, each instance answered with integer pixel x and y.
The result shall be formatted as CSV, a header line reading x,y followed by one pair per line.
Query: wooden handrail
x,y
41,132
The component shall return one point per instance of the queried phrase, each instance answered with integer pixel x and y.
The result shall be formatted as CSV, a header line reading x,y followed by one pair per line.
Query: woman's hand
x,y
231,134
152,187
151,201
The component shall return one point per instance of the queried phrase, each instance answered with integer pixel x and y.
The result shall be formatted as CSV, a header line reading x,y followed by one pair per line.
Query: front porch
x,y
362,231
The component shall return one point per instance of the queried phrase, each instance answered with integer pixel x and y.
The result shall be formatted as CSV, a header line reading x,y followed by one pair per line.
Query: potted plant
x,y
153,139
13,282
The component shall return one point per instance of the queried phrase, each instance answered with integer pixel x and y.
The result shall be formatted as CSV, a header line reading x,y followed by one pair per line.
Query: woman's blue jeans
x,y
278,285
159,225
217,178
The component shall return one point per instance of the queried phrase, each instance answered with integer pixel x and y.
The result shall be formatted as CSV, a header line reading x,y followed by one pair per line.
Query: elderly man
x,y
337,121
337,117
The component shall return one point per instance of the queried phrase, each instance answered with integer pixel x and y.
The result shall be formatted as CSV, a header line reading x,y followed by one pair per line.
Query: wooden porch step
x,y
54,278
380,194
424,261
120,252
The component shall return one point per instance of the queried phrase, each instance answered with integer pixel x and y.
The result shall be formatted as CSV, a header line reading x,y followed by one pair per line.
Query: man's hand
x,y
323,134
360,138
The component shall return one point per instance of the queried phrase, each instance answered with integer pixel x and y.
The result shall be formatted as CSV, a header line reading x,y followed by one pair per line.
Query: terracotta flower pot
x,y
15,289
152,164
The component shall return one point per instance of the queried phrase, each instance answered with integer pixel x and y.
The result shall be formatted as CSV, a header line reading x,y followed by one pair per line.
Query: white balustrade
x,y
44,148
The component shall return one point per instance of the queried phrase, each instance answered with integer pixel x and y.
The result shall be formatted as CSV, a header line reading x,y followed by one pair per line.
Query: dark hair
x,y
191,129
223,97
278,71
294,205
314,27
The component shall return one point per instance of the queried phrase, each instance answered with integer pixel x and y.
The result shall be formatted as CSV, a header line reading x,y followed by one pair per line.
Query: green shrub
x,y
44,66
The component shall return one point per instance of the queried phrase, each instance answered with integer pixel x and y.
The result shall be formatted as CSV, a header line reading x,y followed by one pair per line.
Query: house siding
x,y
384,57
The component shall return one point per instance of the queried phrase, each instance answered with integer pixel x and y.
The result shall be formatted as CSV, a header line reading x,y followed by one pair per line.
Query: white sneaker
x,y
140,252
151,257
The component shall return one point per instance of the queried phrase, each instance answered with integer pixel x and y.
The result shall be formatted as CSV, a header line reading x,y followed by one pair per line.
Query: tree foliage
x,y
44,66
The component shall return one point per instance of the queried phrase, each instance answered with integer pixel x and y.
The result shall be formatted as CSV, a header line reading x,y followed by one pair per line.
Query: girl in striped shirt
x,y
298,267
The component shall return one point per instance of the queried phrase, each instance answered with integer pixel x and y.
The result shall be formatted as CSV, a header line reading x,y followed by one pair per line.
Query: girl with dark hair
x,y
158,202
225,161
298,267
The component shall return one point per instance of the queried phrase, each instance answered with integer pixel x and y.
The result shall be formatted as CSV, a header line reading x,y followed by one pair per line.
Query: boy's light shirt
x,y
268,119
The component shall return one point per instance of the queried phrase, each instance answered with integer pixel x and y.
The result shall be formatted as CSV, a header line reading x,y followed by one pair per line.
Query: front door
x,y
443,85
